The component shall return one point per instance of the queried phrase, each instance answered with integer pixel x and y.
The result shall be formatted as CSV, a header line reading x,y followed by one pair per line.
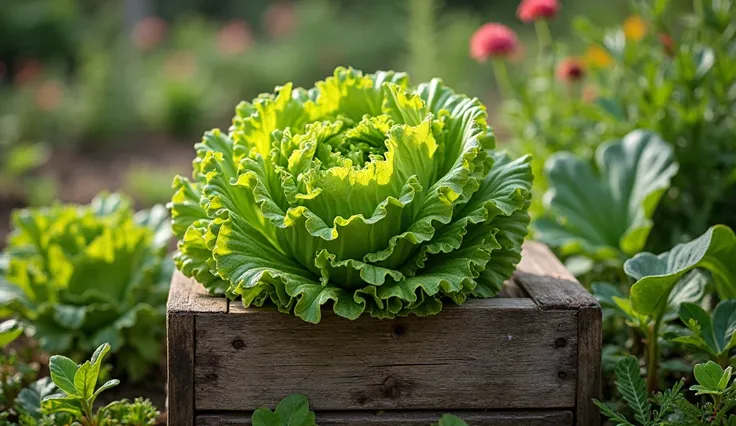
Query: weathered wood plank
x,y
547,281
423,418
180,369
188,296
589,365
486,354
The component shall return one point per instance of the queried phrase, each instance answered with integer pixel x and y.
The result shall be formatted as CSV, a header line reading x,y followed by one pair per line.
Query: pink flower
x,y
280,19
492,40
570,70
234,38
532,10
149,32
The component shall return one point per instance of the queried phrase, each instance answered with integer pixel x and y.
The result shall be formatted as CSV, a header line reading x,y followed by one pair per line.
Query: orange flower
x,y
49,96
635,28
598,57
493,40
234,38
149,32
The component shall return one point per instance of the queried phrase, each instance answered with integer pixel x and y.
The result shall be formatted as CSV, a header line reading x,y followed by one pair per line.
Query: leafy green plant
x,y
362,191
79,392
606,216
450,420
292,410
657,275
81,275
9,331
714,334
674,409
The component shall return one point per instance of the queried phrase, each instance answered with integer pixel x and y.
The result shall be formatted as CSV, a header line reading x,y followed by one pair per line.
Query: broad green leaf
x,y
294,411
711,377
9,331
105,386
85,380
633,389
657,275
265,417
63,370
606,215
29,399
724,325
61,404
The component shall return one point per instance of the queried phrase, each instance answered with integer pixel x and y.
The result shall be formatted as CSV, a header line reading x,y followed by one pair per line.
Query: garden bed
x,y
494,361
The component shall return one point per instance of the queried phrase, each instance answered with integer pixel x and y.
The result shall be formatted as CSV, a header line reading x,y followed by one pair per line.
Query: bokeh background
x,y
112,95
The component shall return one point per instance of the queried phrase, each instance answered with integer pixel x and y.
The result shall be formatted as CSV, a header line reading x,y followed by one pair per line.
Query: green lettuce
x,y
79,276
362,193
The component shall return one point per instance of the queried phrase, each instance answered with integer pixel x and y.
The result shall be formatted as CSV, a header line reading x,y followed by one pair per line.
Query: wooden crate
x,y
528,357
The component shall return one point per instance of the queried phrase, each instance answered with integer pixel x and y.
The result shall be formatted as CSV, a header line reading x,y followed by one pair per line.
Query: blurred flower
x,y
49,95
635,28
492,40
532,10
180,65
27,71
280,19
667,43
597,56
590,94
234,38
149,32
570,70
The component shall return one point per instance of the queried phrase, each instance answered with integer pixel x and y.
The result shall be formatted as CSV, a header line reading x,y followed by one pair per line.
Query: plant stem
x,y
653,356
502,79
723,360
544,36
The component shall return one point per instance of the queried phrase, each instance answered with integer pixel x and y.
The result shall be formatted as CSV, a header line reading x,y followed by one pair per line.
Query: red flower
x,y
149,32
571,70
532,10
667,43
492,40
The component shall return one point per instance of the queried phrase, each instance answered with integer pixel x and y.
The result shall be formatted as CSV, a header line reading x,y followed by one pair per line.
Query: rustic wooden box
x,y
528,357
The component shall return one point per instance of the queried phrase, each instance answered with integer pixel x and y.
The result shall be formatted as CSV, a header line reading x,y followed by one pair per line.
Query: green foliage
x,y
450,420
657,275
291,411
79,392
9,331
606,216
15,374
362,191
81,275
674,409
714,334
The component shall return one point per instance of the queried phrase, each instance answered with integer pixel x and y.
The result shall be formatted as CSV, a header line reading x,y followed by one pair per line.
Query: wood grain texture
x,y
547,281
423,418
180,369
485,354
589,365
188,296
